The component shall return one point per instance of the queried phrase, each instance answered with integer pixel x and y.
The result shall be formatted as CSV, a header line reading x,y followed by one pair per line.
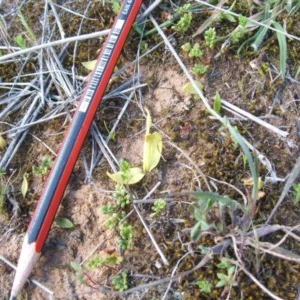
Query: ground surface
x,y
198,154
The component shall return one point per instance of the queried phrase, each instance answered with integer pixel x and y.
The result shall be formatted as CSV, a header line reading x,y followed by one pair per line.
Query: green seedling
x,y
77,268
126,234
186,18
151,158
114,219
200,69
116,6
121,195
296,193
120,282
158,207
210,37
152,147
187,47
98,261
3,143
226,280
64,223
196,52
239,33
24,186
190,90
21,42
30,32
205,286
44,167
217,103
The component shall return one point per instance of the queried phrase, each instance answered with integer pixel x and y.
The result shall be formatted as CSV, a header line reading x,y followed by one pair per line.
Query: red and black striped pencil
x,y
65,161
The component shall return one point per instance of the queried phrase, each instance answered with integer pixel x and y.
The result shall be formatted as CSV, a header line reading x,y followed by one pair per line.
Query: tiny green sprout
x,y
184,23
24,186
21,42
116,6
187,47
44,167
108,209
158,207
126,233
120,282
64,223
226,280
144,46
195,52
183,9
243,21
204,286
95,262
217,103
114,219
200,69
296,193
121,195
3,142
210,37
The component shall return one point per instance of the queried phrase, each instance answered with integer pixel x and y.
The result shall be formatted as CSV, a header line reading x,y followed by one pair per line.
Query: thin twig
x,y
5,58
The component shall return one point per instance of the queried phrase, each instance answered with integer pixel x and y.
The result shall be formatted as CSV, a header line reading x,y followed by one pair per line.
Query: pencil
x,y
58,178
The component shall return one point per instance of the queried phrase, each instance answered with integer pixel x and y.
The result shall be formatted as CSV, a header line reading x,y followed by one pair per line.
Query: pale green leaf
x,y
24,187
190,90
76,266
131,176
64,223
281,37
90,65
152,151
3,142
217,103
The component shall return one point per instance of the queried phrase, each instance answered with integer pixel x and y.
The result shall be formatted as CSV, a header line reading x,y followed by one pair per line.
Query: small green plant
x,y
205,286
240,31
116,6
98,261
158,207
24,186
44,167
186,18
64,223
95,262
296,193
126,234
114,219
120,281
121,195
226,280
200,69
217,103
77,268
187,47
21,42
196,52
210,37
151,157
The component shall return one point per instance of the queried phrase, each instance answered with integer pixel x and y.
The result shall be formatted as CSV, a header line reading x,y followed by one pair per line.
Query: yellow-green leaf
x,y
152,151
190,90
3,142
90,65
24,187
64,223
131,176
